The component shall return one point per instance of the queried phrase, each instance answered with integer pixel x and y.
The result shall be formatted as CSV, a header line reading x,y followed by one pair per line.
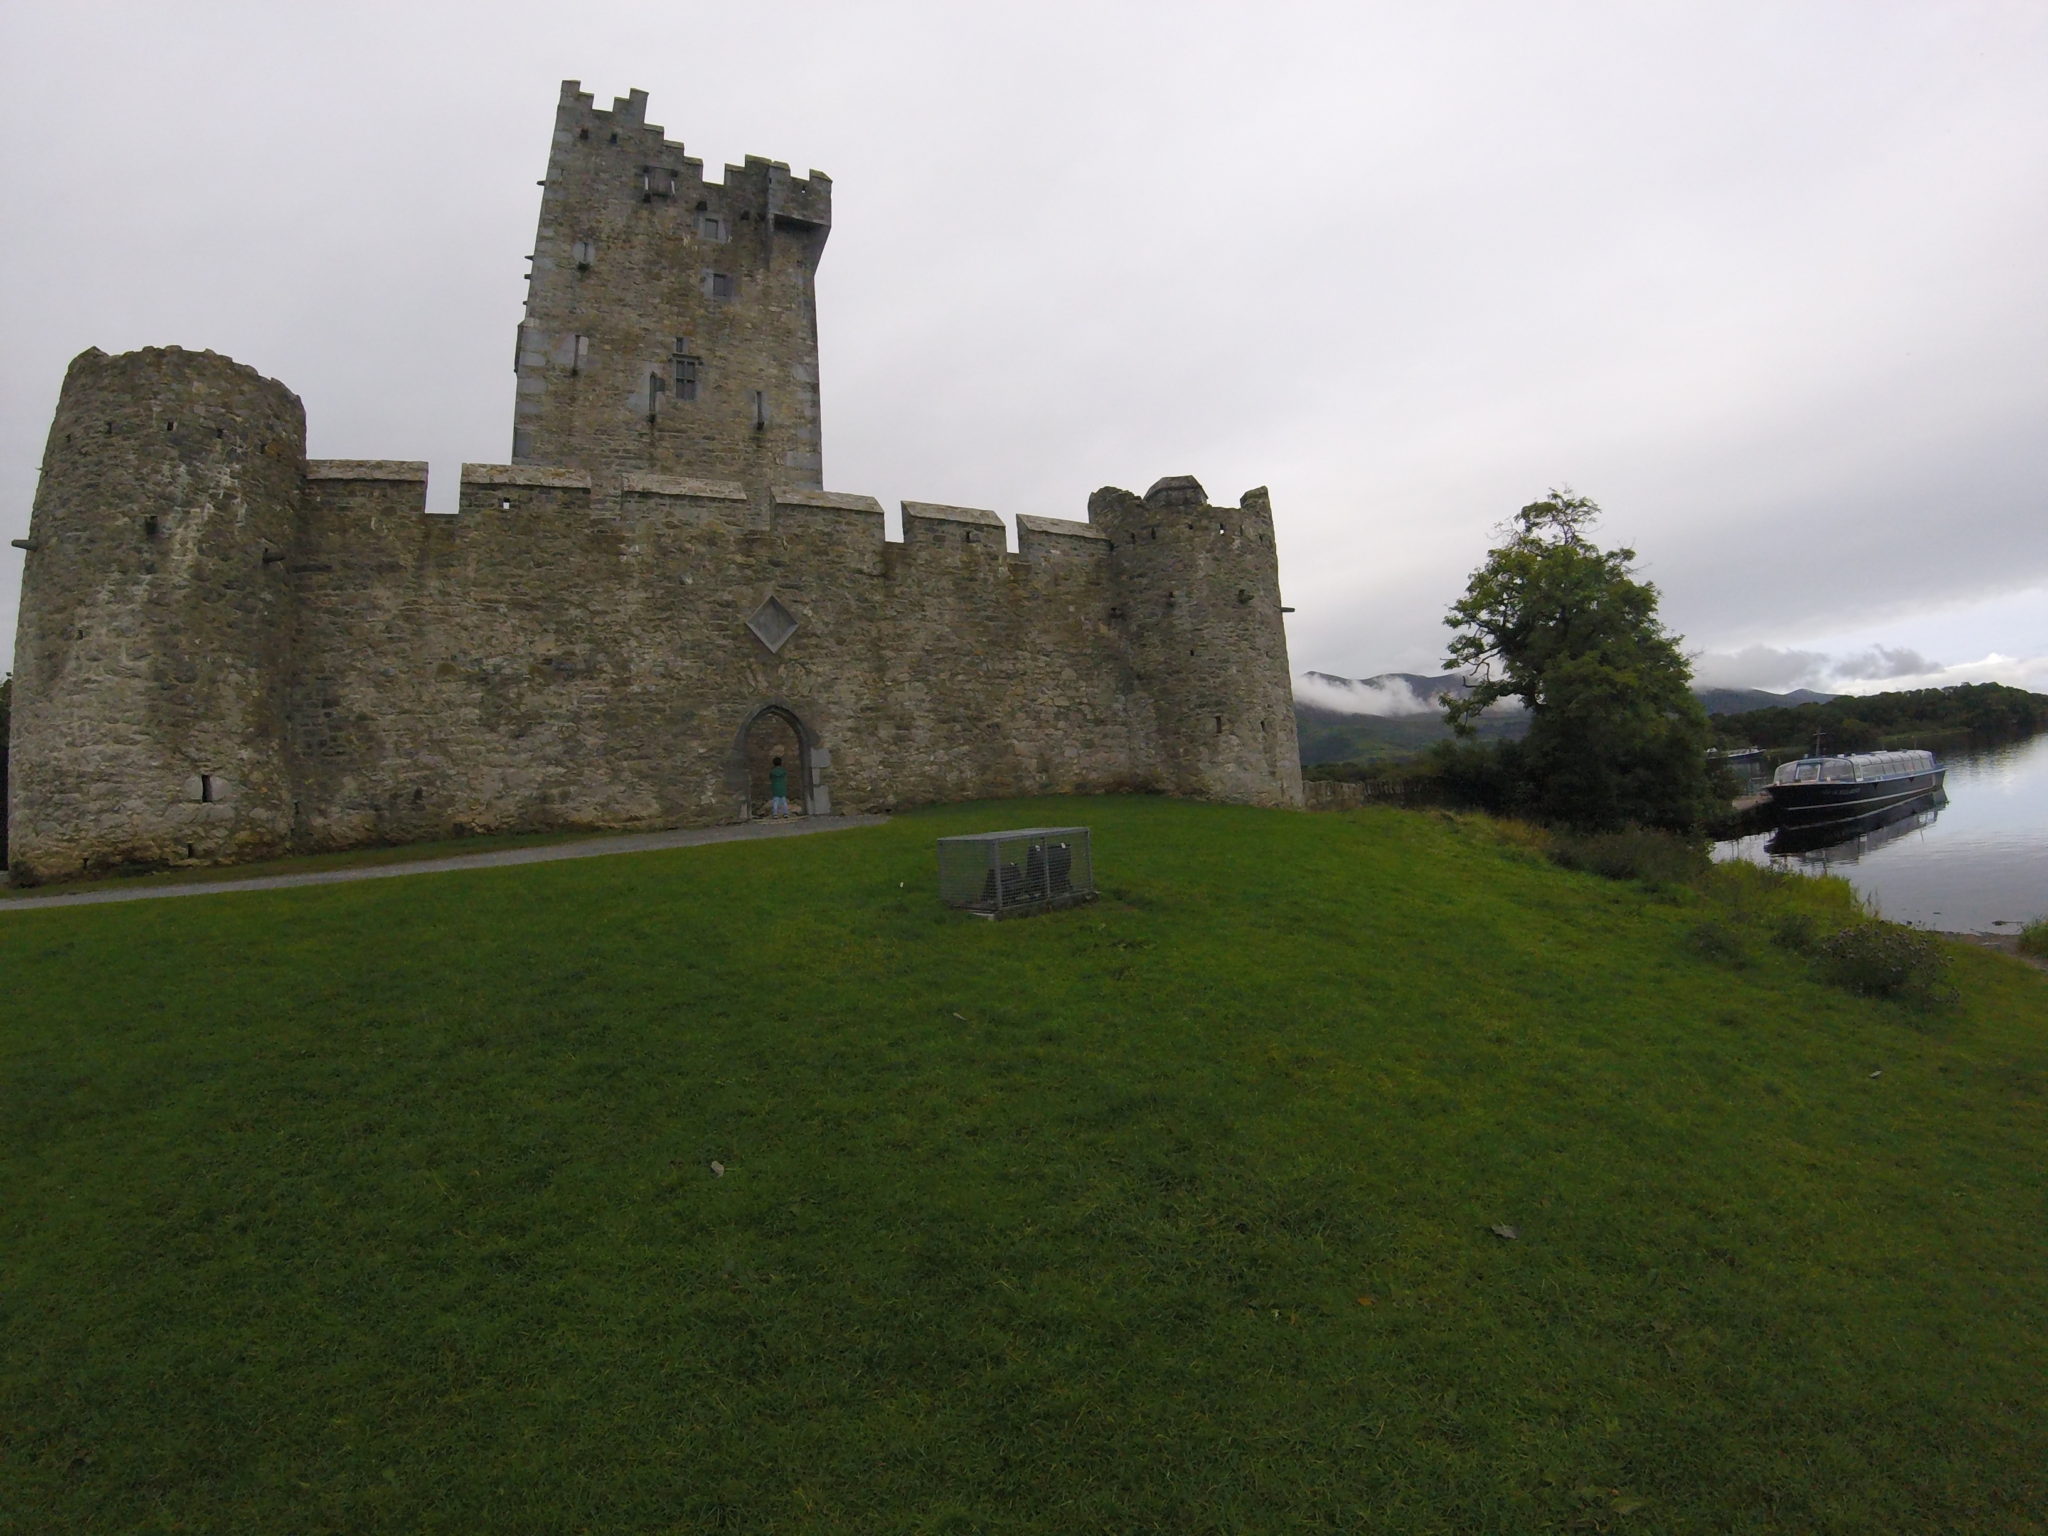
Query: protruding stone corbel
x,y
28,544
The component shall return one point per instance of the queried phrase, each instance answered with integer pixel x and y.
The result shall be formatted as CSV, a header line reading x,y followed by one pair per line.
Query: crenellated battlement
x,y
928,524
795,517
581,123
1059,537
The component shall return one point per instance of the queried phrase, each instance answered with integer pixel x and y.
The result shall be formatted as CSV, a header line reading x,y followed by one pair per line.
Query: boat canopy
x,y
1857,767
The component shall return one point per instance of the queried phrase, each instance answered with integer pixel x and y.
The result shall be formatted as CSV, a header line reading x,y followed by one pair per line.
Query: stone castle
x,y
227,650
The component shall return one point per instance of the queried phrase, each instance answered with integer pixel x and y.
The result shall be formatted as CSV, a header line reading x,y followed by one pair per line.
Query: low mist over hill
x,y
1393,715
1397,714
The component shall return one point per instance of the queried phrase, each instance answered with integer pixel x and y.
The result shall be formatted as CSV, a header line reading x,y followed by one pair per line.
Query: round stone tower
x,y
1198,603
149,666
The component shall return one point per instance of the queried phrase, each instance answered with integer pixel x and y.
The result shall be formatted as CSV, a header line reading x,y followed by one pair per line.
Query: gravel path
x,y
591,848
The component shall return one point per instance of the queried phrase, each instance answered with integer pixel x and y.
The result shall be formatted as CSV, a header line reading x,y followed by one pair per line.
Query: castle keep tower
x,y
671,323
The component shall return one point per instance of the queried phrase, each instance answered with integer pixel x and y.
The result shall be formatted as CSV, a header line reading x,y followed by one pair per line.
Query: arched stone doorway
x,y
771,731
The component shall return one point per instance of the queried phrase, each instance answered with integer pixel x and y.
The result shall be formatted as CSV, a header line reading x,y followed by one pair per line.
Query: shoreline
x,y
2004,943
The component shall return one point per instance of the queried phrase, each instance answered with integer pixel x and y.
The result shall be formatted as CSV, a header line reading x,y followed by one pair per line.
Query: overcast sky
x,y
1768,281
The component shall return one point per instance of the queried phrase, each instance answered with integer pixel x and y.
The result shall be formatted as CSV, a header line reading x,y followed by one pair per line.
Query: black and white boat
x,y
1825,841
1852,785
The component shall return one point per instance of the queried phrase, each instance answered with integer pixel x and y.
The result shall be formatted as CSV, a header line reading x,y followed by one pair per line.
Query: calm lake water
x,y
1977,864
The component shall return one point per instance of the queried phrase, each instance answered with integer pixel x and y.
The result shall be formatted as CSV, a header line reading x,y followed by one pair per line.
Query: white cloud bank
x,y
1364,696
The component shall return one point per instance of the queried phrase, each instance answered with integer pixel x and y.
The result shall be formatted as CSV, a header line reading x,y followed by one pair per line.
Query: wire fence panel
x,y
1009,874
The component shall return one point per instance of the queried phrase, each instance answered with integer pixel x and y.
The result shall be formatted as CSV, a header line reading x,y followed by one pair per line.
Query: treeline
x,y
1916,717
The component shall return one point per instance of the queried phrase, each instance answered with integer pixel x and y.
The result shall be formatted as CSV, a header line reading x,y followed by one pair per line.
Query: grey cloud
x,y
1406,265
1761,666
1885,661
1780,670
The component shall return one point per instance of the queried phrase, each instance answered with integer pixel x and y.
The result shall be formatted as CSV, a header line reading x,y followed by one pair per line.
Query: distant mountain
x,y
1913,717
1740,701
1395,714
1384,718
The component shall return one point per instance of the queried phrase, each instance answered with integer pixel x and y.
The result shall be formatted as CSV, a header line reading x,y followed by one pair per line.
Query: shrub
x,y
1490,776
1794,912
2034,938
1721,942
1797,931
1880,959
1527,839
1656,858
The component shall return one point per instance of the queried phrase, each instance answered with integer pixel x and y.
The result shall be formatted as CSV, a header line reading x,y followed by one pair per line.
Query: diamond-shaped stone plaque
x,y
772,624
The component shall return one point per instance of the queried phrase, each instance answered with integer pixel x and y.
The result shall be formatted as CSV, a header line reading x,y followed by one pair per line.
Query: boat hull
x,y
1846,839
1850,797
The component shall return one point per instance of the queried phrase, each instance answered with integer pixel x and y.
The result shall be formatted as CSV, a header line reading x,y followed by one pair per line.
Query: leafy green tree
x,y
1616,737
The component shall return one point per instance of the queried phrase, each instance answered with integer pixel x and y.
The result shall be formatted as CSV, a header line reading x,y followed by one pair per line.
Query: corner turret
x,y
150,659
1197,602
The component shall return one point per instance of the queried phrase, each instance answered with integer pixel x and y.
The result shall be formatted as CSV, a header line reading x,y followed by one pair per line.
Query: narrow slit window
x,y
580,357
759,399
1219,725
584,252
206,795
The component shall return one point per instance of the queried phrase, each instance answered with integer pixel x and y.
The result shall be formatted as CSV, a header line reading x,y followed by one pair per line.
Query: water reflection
x,y
1974,860
1853,837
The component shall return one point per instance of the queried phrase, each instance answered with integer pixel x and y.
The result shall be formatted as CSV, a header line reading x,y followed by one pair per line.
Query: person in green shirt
x,y
778,789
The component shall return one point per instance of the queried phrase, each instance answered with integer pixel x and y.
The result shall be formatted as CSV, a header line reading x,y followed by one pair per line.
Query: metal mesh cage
x,y
1007,874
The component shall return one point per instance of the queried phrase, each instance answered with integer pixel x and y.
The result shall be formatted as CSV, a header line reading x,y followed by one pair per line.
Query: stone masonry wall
x,y
347,668
533,663
155,617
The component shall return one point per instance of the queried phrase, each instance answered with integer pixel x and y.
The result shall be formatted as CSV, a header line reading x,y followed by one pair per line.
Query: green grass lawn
x,y
391,1206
